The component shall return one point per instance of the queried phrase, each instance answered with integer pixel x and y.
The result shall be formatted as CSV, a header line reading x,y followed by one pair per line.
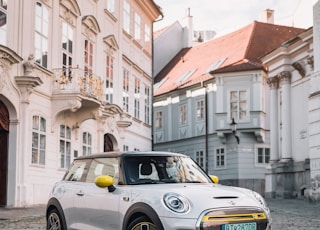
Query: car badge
x,y
232,202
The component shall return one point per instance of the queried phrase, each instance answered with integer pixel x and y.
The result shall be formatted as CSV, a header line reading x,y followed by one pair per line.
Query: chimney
x,y
267,16
190,28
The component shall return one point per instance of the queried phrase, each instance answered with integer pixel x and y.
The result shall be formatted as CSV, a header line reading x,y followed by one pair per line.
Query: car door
x,y
97,208
72,182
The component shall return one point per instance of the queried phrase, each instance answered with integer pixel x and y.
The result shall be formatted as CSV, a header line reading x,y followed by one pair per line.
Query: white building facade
x,y
294,82
75,78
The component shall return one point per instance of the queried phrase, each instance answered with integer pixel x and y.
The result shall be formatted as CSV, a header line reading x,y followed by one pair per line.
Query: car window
x,y
103,166
163,169
77,171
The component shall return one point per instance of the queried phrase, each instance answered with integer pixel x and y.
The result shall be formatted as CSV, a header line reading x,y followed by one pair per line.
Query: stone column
x,y
285,78
314,111
271,176
274,120
26,85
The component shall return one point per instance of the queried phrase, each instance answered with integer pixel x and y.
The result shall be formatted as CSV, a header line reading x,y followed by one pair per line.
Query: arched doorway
x,y
4,131
109,141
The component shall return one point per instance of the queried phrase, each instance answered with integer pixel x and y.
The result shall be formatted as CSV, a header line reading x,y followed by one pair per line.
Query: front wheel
x,y
54,221
142,223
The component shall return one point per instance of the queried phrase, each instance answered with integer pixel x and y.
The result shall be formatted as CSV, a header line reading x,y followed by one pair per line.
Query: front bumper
x,y
213,219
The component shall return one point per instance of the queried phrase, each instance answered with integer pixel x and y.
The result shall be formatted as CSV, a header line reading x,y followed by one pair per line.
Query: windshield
x,y
160,169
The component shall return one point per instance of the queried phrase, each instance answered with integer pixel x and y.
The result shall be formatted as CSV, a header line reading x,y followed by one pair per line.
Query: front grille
x,y
214,219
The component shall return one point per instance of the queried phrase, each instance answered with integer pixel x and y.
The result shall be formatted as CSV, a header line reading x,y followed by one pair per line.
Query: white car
x,y
150,190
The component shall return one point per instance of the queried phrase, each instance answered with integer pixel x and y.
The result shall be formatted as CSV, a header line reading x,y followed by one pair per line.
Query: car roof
x,y
133,153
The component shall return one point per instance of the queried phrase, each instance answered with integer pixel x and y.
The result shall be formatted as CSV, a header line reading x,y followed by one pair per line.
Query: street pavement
x,y
287,214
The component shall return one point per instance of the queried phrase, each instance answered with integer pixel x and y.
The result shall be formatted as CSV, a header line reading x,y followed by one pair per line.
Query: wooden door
x,y
4,131
108,144
3,167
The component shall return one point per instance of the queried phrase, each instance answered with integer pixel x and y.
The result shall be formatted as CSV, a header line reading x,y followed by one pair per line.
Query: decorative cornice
x,y
26,85
299,66
273,82
310,61
285,76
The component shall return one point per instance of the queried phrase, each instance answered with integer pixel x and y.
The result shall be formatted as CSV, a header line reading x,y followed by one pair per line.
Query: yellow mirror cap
x,y
104,181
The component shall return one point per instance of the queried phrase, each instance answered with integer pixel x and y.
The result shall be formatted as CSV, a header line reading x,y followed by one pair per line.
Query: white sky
x,y
224,16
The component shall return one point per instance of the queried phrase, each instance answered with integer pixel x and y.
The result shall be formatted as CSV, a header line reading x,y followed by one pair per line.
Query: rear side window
x,y
77,171
103,166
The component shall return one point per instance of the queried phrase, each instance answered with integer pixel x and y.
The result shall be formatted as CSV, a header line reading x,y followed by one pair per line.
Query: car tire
x,y
142,222
55,221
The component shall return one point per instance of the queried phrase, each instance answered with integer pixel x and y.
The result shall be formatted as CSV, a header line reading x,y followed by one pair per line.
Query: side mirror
x,y
214,179
104,181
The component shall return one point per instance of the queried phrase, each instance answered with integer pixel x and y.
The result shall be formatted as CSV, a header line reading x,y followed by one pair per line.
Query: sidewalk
x,y
20,213
294,214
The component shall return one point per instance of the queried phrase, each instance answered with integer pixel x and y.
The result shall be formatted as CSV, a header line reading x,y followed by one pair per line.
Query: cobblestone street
x,y
287,214
290,214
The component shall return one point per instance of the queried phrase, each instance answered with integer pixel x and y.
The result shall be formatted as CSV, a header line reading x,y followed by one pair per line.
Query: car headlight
x,y
176,203
261,200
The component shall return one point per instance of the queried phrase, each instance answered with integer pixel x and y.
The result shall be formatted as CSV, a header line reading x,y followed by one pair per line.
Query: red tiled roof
x,y
236,51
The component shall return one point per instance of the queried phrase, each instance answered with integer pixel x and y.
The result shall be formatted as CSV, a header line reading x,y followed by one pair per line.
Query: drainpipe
x,y
206,126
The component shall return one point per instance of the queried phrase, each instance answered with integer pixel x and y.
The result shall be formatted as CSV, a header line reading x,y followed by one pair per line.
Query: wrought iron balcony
x,y
75,80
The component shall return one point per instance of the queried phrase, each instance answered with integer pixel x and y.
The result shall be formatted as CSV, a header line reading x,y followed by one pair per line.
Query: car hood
x,y
200,196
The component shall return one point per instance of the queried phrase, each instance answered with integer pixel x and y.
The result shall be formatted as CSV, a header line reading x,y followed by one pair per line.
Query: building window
x,y
88,57
86,144
147,104
200,110
41,34
125,93
238,105
126,17
3,22
220,157
65,146
110,6
38,140
159,120
137,26
125,148
201,159
183,114
109,79
147,37
137,98
67,48
262,155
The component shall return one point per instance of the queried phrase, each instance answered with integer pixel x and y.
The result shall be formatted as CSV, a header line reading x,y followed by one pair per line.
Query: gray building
x,y
204,88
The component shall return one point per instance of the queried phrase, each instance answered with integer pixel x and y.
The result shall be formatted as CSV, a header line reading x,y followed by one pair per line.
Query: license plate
x,y
240,226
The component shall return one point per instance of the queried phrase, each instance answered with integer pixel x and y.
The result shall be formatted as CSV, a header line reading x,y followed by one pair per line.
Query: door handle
x,y
80,193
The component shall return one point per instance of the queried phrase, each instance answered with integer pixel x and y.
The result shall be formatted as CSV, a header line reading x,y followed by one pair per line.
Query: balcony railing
x,y
75,80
